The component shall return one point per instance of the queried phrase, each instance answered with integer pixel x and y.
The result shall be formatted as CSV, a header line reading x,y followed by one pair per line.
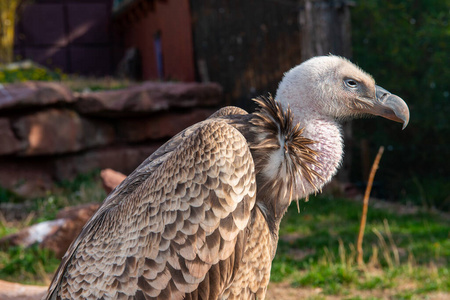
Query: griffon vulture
x,y
199,218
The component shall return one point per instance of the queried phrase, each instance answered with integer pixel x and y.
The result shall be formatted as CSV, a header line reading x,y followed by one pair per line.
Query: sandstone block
x,y
56,131
159,126
33,93
150,97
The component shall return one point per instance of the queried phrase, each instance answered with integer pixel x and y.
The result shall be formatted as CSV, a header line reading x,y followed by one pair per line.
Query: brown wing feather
x,y
181,220
228,111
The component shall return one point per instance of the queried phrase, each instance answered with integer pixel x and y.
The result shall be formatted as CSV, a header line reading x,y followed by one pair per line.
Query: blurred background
x,y
87,85
245,48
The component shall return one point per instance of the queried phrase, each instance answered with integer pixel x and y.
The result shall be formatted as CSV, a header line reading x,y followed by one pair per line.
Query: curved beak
x,y
390,106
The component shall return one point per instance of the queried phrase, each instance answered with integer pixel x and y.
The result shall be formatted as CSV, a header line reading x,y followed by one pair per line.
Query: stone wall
x,y
48,133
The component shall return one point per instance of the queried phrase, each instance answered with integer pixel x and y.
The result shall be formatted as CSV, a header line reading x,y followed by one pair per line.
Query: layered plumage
x,y
199,218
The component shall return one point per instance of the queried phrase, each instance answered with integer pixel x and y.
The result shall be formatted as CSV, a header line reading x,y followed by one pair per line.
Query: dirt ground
x,y
283,291
276,291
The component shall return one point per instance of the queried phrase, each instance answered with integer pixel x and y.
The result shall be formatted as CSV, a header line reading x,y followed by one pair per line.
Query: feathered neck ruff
x,y
286,167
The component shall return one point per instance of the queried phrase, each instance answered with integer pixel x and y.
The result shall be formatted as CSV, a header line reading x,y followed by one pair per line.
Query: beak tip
x,y
394,108
405,116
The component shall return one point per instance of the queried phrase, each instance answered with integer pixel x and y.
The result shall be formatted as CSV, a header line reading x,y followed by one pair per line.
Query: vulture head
x,y
322,91
332,87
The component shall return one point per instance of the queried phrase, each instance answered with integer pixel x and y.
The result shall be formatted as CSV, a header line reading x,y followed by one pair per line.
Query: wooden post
x,y
325,28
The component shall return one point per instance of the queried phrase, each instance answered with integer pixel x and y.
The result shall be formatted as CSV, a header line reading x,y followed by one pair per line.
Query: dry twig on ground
x,y
362,226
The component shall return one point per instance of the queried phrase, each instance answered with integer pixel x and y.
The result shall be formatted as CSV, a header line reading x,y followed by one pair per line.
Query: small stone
x,y
17,291
55,235
111,179
73,220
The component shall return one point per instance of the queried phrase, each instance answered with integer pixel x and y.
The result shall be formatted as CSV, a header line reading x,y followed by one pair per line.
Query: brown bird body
x,y
199,218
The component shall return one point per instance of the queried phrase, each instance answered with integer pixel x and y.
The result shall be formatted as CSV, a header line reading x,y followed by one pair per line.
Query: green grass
x,y
83,189
34,265
399,250
406,255
28,70
31,265
93,84
8,196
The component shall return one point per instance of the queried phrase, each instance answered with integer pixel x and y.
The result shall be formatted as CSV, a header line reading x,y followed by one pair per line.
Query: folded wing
x,y
183,216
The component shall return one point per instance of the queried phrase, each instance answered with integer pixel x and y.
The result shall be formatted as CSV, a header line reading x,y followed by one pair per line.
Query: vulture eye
x,y
351,83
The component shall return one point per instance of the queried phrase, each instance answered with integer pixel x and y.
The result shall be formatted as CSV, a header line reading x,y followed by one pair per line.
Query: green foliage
x,y
374,282
428,192
80,84
282,268
28,70
6,196
27,264
31,72
35,265
5,230
329,277
330,220
399,247
85,188
405,45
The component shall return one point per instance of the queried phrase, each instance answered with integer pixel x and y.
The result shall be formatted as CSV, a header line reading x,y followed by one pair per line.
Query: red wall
x,y
173,20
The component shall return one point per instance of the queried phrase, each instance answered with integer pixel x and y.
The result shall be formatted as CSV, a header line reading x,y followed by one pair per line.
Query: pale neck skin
x,y
328,137
318,126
